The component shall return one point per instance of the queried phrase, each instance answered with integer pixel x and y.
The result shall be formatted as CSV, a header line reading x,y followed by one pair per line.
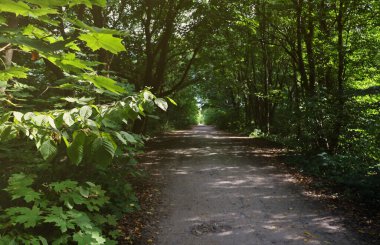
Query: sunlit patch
x,y
270,227
273,197
181,172
226,233
293,237
279,216
235,182
328,223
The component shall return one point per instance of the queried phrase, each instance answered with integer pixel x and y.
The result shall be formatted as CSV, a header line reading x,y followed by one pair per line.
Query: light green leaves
x,y
85,112
172,101
21,8
105,41
70,60
105,83
90,237
80,101
44,7
148,96
161,103
68,119
17,116
13,72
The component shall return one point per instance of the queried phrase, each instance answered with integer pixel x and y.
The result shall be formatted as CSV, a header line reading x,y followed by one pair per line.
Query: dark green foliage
x,y
182,114
305,74
185,113
344,173
67,146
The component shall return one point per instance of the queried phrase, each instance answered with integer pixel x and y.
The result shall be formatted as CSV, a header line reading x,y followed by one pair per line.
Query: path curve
x,y
223,189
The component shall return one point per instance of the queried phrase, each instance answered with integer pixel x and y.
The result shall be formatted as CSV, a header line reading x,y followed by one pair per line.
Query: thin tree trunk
x,y
340,78
8,57
309,36
300,61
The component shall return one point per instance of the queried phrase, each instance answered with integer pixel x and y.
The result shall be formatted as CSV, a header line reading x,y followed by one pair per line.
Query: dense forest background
x,y
82,82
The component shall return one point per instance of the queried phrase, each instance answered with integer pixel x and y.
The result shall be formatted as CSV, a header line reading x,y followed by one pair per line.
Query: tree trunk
x,y
340,77
8,57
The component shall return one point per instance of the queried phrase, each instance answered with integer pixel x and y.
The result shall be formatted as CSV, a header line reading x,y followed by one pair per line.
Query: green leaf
x,y
26,216
84,192
93,29
85,112
112,220
128,137
43,240
57,216
67,118
34,44
71,60
106,41
7,133
5,117
81,219
39,120
148,96
19,187
90,237
64,186
161,103
21,8
48,150
103,149
105,83
172,101
17,116
101,3
80,101
13,72
3,21
82,239
121,138
75,151
64,239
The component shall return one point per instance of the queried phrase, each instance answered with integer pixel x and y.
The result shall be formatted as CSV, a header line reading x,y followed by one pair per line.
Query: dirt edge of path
x,y
357,216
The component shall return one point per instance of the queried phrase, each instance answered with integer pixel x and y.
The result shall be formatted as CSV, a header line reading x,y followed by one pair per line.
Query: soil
x,y
222,189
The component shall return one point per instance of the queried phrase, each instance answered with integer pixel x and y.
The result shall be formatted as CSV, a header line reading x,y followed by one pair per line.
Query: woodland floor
x,y
222,189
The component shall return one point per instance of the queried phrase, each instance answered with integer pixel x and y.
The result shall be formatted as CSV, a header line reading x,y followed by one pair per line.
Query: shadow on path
x,y
223,189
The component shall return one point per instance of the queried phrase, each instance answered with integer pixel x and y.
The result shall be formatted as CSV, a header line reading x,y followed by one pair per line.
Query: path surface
x,y
222,189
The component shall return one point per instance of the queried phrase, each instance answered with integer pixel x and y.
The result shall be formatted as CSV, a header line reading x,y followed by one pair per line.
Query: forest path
x,y
223,189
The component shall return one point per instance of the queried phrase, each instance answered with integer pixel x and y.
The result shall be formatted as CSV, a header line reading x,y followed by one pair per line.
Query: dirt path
x,y
222,189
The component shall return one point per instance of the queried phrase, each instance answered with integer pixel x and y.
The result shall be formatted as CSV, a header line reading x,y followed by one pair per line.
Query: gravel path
x,y
223,189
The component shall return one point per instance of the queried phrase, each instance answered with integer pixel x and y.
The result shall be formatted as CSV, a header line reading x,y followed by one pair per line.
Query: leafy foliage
x,y
72,209
73,121
303,73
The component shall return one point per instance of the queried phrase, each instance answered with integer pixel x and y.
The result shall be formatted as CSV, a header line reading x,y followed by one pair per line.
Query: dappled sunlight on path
x,y
223,189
